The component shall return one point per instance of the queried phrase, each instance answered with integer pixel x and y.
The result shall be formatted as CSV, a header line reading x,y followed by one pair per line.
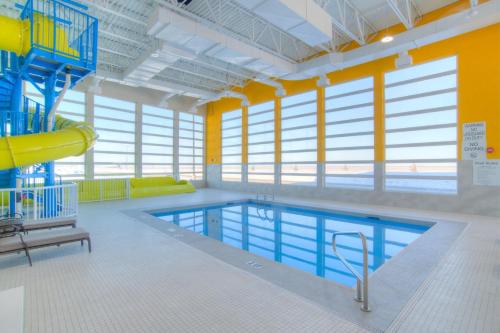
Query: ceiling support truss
x,y
348,20
238,22
406,11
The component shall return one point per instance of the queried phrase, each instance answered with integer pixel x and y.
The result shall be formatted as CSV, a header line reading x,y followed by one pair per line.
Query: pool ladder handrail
x,y
264,196
361,281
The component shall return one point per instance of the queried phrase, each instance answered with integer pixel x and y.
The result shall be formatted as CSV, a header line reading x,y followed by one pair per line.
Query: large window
x,y
349,135
114,151
261,143
157,141
421,128
299,139
231,145
72,107
190,146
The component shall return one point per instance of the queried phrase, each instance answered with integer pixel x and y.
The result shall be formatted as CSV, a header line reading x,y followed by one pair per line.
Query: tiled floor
x,y
140,280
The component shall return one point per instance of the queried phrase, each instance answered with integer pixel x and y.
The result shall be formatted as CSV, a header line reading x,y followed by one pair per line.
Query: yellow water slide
x,y
70,138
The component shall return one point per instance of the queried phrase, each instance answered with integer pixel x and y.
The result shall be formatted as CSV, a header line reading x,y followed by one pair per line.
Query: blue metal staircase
x,y
6,86
62,40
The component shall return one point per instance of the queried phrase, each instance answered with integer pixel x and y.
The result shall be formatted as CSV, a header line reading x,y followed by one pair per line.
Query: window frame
x,y
271,109
314,151
353,120
452,162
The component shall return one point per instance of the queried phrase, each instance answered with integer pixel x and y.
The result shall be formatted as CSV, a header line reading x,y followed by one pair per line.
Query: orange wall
x,y
478,55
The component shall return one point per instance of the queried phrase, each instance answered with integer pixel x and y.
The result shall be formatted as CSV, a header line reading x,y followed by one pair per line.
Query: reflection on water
x,y
297,237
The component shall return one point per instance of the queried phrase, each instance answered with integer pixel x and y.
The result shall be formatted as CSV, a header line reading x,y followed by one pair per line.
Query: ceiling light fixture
x,y
155,54
387,39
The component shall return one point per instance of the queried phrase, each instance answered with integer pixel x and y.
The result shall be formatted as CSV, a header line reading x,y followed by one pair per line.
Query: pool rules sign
x,y
474,141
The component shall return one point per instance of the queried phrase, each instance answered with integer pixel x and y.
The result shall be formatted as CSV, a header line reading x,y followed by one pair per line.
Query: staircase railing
x,y
33,115
61,27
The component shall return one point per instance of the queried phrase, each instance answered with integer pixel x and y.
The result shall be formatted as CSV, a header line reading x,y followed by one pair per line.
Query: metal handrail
x,y
264,196
361,291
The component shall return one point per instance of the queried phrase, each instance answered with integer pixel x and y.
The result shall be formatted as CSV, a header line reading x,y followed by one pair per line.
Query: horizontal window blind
x,y
232,146
299,139
157,141
191,137
349,135
421,128
114,121
261,143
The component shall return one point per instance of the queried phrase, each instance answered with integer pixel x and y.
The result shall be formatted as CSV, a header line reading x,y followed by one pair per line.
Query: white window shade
x,y
232,146
114,152
157,141
421,128
299,139
191,138
349,135
261,143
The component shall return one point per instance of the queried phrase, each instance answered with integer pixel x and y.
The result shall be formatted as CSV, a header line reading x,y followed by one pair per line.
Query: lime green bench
x,y
156,186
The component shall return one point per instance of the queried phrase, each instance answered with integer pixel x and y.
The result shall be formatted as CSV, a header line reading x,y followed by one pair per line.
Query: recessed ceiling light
x,y
155,54
387,39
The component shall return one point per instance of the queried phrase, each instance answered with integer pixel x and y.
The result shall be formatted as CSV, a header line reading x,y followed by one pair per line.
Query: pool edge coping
x,y
391,286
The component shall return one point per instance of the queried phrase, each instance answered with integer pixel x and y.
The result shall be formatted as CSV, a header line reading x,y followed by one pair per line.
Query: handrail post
x,y
361,282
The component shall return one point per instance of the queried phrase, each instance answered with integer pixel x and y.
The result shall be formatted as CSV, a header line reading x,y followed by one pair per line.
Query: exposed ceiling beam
x,y
406,11
231,19
125,38
197,69
487,13
348,20
106,6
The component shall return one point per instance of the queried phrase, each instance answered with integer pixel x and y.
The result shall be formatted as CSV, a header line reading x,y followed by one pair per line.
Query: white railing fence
x,y
40,202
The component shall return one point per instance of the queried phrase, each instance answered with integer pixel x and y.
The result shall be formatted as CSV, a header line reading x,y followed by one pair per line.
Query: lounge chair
x,y
30,226
41,239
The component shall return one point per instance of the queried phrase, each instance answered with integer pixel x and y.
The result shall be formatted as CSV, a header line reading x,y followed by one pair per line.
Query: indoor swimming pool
x,y
298,237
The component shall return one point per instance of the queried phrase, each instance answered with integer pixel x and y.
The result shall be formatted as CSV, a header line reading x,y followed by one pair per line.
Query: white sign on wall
x,y
474,141
487,173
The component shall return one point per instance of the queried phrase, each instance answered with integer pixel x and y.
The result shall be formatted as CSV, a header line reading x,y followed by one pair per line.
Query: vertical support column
x,y
379,116
49,93
15,129
244,145
175,149
89,119
138,140
320,127
49,195
277,142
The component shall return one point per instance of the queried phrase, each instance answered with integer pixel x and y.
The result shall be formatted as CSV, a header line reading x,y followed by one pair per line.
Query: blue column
x,y
16,128
49,196
50,95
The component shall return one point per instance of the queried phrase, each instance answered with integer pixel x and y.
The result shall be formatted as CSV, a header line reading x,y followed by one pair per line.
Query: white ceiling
x,y
125,45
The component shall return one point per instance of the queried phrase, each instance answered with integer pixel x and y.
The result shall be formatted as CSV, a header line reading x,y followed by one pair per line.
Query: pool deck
x,y
138,279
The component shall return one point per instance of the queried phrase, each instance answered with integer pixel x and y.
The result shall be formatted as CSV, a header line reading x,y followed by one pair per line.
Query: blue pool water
x,y
298,237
